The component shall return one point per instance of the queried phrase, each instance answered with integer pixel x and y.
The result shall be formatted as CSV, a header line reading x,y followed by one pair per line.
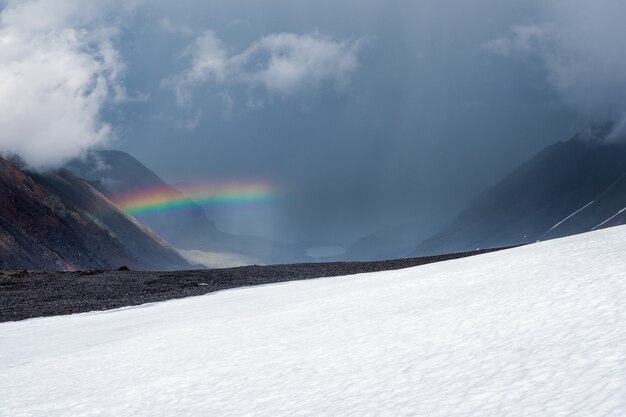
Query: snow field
x,y
537,330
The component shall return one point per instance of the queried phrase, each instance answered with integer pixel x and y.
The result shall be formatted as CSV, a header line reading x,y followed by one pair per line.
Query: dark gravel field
x,y
25,295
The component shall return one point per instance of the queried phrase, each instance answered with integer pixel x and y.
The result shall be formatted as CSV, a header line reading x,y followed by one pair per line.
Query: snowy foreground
x,y
539,330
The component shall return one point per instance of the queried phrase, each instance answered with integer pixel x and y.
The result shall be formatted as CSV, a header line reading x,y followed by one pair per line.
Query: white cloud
x,y
58,67
581,44
282,64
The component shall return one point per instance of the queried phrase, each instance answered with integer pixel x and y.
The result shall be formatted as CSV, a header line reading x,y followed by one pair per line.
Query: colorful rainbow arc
x,y
166,199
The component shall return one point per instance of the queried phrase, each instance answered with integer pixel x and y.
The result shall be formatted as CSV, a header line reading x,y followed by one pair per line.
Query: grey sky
x,y
383,111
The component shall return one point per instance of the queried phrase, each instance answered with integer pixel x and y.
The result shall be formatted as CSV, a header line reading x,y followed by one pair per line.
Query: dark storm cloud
x,y
427,119
395,112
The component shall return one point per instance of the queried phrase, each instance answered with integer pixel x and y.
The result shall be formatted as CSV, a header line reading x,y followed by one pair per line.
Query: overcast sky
x,y
366,113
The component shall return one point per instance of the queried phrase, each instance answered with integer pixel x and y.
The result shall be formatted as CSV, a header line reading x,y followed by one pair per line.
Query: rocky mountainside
x,y
569,188
57,221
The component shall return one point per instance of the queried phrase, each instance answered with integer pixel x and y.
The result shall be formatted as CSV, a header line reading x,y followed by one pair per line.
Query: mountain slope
x,y
117,174
392,242
537,330
56,221
570,187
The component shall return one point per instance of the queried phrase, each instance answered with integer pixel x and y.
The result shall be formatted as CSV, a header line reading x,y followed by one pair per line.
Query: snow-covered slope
x,y
538,330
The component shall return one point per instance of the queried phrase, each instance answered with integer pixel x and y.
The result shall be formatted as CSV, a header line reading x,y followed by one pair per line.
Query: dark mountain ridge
x,y
569,188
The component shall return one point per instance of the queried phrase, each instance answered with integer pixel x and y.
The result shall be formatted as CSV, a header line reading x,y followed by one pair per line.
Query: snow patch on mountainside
x,y
537,330
571,215
610,218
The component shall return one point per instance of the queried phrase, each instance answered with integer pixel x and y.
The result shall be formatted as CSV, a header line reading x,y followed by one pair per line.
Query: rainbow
x,y
168,199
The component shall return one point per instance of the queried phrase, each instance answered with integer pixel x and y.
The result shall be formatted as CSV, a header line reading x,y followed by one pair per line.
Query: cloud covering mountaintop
x,y
58,66
580,45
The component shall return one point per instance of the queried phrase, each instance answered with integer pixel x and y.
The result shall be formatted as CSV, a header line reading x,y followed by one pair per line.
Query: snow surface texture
x,y
538,330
